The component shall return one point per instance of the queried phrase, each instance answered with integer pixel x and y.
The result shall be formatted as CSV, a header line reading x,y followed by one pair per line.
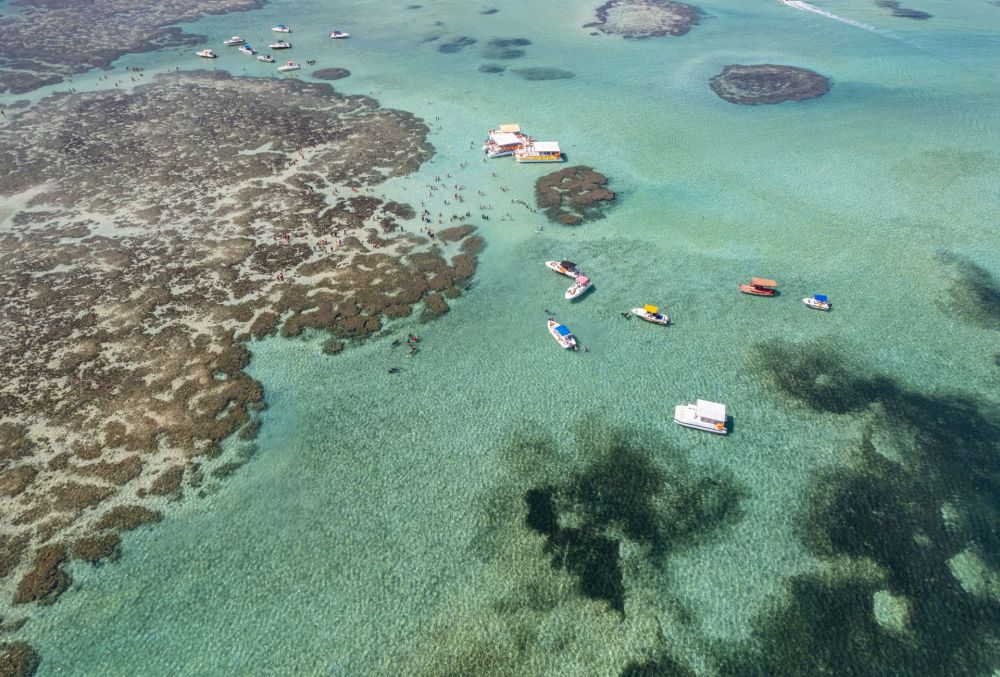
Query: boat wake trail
x,y
806,7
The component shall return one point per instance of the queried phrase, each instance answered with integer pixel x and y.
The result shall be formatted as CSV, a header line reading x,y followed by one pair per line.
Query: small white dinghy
x,y
266,58
578,288
233,41
207,54
651,314
280,44
702,415
281,28
340,35
248,50
290,66
819,302
561,333
567,268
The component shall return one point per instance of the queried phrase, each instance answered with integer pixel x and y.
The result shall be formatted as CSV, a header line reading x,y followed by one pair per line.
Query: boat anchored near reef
x,y
539,151
280,44
561,333
234,41
266,58
567,268
207,54
339,35
504,140
290,66
819,302
702,415
579,287
281,28
651,314
760,286
248,50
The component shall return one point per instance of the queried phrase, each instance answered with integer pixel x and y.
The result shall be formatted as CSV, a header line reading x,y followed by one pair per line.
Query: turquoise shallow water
x,y
348,541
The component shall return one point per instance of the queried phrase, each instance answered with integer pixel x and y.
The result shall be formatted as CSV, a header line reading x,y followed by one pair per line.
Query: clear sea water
x,y
346,540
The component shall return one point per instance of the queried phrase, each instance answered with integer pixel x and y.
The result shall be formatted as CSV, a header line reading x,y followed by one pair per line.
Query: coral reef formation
x,y
573,195
157,231
767,83
44,41
645,18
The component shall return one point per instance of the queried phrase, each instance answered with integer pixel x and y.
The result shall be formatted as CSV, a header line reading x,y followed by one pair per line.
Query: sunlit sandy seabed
x,y
353,541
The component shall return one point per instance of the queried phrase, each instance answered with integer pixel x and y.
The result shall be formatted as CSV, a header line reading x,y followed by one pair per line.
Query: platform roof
x,y
713,411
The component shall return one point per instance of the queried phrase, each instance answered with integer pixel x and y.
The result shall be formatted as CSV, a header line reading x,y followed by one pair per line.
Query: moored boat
x,y
504,140
759,286
561,333
702,415
281,28
579,287
567,268
207,54
651,314
233,41
290,66
339,35
819,302
248,50
280,44
266,58
539,151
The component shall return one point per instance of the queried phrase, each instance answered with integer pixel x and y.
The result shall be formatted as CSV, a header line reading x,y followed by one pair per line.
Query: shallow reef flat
x,y
43,41
160,229
573,195
645,18
767,83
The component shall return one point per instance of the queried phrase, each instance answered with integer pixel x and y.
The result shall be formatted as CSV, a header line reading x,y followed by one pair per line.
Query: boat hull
x,y
816,305
756,291
686,415
563,341
648,317
536,160
576,291
557,267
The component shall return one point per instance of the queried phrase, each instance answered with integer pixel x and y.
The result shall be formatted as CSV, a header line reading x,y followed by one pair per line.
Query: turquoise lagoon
x,y
348,543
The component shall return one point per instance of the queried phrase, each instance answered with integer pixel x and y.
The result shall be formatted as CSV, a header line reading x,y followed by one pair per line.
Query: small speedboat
x,y
702,415
819,302
562,334
207,54
290,66
281,28
567,268
340,35
759,286
280,44
580,285
248,50
266,58
651,314
233,41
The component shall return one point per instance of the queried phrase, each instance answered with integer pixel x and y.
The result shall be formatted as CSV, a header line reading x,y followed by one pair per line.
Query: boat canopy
x,y
651,309
511,128
545,147
506,139
567,264
763,282
713,411
821,298
562,330
582,279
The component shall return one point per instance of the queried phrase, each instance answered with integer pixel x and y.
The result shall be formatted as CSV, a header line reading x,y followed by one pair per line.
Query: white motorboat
x,y
281,28
266,58
280,44
579,287
340,35
651,314
703,415
819,302
561,333
233,41
567,268
207,54
504,140
290,66
248,50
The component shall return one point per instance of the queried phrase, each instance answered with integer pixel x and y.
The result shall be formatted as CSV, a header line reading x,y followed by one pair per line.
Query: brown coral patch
x,y
46,580
17,659
96,548
16,480
767,84
645,18
455,233
573,195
